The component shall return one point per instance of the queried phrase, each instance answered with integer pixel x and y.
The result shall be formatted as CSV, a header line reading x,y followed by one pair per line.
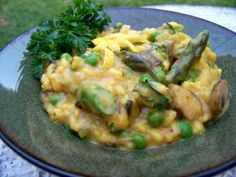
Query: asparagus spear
x,y
190,56
97,99
150,97
141,62
134,60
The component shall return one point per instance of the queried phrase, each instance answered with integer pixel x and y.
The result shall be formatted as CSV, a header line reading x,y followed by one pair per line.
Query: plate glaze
x,y
26,128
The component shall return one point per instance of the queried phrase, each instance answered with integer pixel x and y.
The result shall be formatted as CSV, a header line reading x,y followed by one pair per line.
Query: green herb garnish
x,y
71,30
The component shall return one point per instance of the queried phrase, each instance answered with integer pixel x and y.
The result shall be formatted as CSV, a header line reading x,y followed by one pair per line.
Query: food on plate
x,y
127,88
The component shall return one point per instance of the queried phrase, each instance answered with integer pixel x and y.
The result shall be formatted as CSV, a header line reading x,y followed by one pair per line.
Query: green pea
x,y
160,75
92,59
140,142
118,25
145,78
66,56
124,133
54,99
185,127
154,35
193,74
156,119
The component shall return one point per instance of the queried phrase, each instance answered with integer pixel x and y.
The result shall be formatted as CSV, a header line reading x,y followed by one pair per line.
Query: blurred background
x,y
16,16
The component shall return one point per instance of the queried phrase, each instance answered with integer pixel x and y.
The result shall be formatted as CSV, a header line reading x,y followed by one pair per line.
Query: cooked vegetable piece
x,y
119,141
166,50
150,97
128,72
124,133
55,98
154,35
134,60
66,56
140,62
155,119
185,102
170,27
118,25
71,30
140,142
173,27
179,28
152,58
78,105
92,58
97,99
219,97
185,127
128,106
163,55
160,75
119,119
112,127
190,56
170,51
145,78
69,129
160,88
193,74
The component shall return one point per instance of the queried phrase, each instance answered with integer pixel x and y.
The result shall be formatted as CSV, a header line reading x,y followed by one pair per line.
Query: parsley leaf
x,y
71,30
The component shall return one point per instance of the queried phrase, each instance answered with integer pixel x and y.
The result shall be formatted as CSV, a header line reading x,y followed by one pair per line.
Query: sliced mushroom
x,y
185,102
219,98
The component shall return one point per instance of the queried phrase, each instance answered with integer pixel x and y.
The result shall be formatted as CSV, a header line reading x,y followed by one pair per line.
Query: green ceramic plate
x,y
26,128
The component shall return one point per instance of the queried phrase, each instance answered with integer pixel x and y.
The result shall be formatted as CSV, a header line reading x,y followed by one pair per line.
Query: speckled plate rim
x,y
55,170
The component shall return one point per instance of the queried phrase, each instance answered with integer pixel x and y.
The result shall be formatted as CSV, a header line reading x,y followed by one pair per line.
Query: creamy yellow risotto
x,y
135,89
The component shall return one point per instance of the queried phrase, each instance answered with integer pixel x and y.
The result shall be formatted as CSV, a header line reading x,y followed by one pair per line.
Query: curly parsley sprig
x,y
71,30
